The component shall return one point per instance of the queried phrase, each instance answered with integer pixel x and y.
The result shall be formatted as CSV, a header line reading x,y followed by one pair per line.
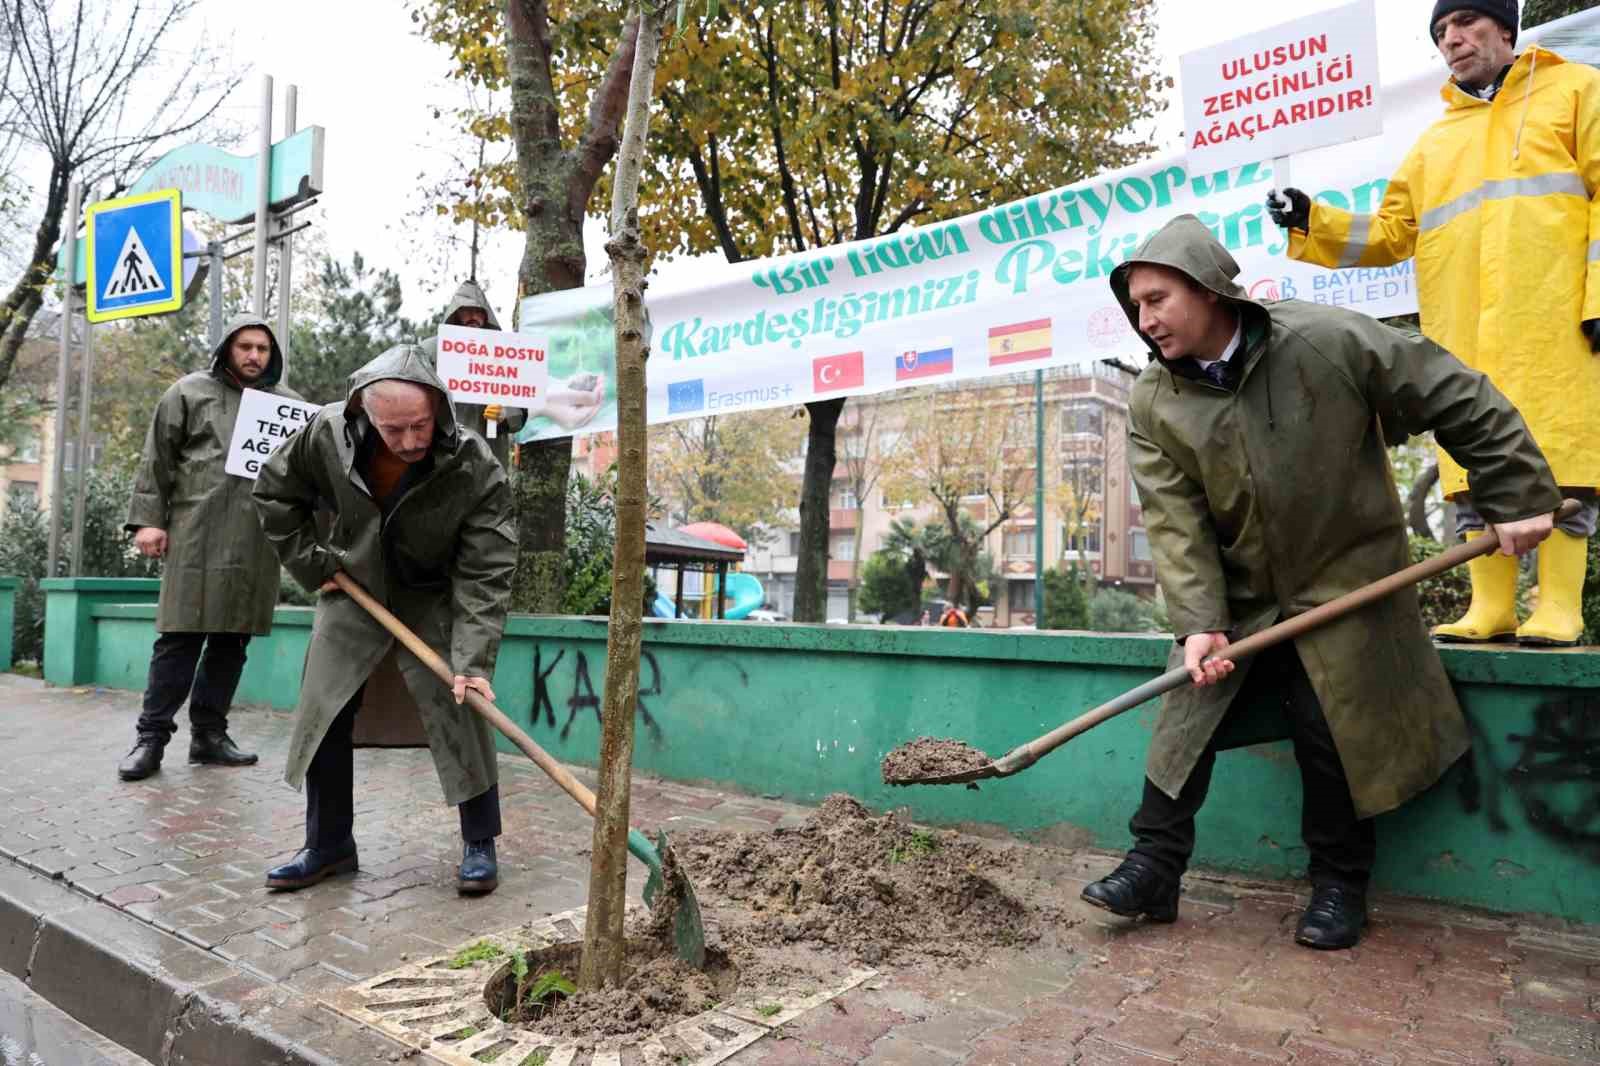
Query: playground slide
x,y
663,607
746,594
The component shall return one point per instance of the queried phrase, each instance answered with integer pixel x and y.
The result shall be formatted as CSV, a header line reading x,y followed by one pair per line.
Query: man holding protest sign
x,y
570,406
420,514
1499,202
219,578
469,307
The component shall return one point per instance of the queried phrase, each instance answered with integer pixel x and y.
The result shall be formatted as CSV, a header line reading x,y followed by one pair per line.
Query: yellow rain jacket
x,y
1499,201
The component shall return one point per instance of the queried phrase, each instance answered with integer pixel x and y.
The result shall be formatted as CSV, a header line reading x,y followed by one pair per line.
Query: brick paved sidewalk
x,y
186,850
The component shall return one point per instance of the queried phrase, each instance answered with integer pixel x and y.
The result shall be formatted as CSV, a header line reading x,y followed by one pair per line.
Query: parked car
x,y
762,614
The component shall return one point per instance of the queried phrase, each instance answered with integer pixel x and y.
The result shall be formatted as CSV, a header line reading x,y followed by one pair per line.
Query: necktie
x,y
1215,371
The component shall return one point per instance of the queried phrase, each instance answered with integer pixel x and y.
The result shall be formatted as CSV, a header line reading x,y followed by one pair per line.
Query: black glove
x,y
1591,329
1290,208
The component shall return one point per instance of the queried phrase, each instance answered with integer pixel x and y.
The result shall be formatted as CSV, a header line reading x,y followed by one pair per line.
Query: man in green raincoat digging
x,y
1257,438
387,488
219,579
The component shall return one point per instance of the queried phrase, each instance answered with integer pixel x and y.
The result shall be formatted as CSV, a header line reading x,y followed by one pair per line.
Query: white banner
x,y
486,366
265,421
1017,287
1302,85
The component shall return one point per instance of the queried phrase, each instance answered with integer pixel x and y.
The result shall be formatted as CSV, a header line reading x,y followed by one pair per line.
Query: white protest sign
x,y
1298,86
264,422
486,366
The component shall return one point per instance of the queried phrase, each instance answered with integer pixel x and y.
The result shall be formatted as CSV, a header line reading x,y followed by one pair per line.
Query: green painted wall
x,y
800,711
69,633
8,618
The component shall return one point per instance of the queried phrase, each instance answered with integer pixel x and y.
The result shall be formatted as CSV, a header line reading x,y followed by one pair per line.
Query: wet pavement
x,y
34,1033
169,872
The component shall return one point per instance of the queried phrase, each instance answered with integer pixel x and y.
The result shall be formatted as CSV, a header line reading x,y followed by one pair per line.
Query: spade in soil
x,y
667,892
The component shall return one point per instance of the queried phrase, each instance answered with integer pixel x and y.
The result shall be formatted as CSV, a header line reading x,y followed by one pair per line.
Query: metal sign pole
x,y
1038,499
286,248
214,294
69,283
263,197
81,496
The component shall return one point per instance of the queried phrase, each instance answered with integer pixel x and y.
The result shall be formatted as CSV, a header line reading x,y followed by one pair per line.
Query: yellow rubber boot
x,y
1558,620
1493,613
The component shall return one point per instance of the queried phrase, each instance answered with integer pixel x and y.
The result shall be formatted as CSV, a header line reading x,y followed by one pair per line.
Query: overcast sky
x,y
372,84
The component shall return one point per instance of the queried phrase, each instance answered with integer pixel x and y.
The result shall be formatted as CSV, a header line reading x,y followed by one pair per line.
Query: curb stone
x,y
160,997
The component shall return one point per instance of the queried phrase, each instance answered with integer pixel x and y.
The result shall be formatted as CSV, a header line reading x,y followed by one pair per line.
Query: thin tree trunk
x,y
603,943
811,571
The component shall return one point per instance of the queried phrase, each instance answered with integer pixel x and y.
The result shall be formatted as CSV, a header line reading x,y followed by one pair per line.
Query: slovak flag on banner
x,y
834,372
914,364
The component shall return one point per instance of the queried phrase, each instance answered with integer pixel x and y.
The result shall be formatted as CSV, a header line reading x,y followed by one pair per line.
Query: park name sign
x,y
264,423
223,185
134,256
1301,85
486,366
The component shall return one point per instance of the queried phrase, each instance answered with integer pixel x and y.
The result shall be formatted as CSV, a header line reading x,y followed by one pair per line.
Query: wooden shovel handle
x,y
496,717
1288,629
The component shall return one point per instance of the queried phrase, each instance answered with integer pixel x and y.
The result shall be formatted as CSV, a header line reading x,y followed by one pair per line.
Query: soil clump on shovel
x,y
876,888
927,757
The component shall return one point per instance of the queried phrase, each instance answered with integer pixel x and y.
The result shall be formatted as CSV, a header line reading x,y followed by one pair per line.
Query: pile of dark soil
x,y
874,887
928,757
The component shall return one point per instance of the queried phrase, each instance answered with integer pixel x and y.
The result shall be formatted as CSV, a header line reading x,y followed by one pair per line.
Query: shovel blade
x,y
667,885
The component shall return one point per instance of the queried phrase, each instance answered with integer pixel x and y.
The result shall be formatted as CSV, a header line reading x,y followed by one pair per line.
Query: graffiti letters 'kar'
x,y
135,256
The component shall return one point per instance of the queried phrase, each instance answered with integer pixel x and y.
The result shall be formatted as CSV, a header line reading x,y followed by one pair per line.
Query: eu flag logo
x,y
686,396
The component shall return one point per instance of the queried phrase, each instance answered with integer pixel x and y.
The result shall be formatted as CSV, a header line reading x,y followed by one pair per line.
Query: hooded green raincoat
x,y
220,574
1265,501
440,559
469,294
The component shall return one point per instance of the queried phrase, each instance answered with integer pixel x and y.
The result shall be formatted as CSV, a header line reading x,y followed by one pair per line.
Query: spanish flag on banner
x,y
1019,342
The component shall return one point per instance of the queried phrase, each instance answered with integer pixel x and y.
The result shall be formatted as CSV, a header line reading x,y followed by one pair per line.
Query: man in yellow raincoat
x,y
1499,201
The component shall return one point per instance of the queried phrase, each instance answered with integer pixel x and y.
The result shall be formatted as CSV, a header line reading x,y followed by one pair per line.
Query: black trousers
x,y
330,791
1342,846
203,668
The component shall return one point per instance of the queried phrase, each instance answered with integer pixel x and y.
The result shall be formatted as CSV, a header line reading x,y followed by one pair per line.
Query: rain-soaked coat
x,y
440,559
219,574
469,294
1500,203
1266,501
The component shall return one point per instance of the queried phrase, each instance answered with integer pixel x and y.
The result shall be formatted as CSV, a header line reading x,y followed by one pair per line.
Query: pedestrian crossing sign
x,y
135,256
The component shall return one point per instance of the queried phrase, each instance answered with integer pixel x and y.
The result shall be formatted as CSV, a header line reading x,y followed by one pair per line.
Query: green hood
x,y
1187,246
469,295
249,320
404,362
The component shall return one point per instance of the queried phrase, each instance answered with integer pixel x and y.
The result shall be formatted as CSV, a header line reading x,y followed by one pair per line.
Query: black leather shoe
x,y
1334,918
1133,890
142,761
311,865
216,748
479,872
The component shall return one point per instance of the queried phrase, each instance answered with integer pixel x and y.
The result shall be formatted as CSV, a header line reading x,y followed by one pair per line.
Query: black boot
x,y
311,865
216,748
480,872
142,761
1334,918
1132,890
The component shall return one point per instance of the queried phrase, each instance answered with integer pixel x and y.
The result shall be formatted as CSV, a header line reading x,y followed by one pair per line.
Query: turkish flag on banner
x,y
834,372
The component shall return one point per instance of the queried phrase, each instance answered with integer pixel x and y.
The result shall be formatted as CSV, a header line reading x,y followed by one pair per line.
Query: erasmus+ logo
x,y
686,396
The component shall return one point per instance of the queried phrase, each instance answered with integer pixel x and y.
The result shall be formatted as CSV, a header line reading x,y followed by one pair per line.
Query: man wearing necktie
x,y
1258,437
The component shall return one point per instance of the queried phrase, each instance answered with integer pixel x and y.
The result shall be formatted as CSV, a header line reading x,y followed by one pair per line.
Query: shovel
x,y
1024,756
688,931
